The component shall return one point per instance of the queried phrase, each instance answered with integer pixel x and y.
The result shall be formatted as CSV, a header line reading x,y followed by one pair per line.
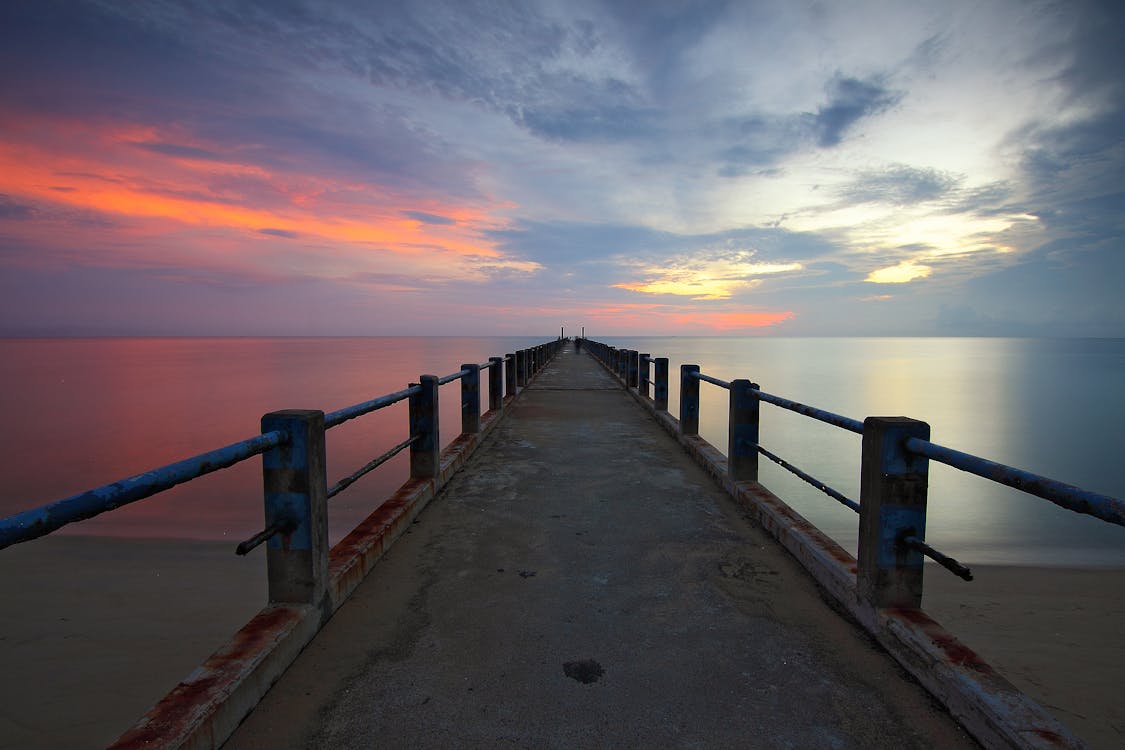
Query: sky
x,y
279,167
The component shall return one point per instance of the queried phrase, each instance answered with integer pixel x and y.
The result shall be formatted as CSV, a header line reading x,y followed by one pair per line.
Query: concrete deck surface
x,y
581,533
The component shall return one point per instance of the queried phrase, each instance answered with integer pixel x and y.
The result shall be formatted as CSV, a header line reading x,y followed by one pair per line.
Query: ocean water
x,y
1052,406
84,412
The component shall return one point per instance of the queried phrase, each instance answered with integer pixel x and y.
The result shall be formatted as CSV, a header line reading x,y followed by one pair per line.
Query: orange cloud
x,y
132,176
731,321
674,320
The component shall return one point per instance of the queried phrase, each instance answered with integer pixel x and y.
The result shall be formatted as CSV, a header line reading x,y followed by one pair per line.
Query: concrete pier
x,y
583,583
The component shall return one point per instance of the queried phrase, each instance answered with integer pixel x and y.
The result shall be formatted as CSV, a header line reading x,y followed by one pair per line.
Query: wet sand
x,y
1055,633
94,631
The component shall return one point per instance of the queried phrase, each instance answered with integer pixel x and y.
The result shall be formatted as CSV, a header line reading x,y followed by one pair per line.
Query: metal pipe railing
x,y
37,522
1076,499
894,469
333,419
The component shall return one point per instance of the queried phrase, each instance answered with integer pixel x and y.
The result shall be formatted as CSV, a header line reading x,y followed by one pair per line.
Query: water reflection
x,y
92,411
1051,406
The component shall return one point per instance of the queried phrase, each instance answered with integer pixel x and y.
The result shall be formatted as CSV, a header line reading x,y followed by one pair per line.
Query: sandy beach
x,y
95,630
1055,633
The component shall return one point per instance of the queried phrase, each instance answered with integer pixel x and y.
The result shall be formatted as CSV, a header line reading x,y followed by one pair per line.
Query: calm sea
x,y
83,412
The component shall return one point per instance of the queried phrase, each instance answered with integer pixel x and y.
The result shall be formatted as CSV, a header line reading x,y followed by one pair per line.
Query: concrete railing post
x,y
660,391
521,368
689,400
495,383
510,373
642,379
425,452
295,488
742,432
470,399
634,367
892,502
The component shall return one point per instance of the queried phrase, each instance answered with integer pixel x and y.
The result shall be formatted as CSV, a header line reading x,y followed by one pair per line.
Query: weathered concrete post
x,y
660,392
510,373
742,432
623,365
425,452
642,379
296,487
521,368
470,398
892,502
495,383
634,366
689,400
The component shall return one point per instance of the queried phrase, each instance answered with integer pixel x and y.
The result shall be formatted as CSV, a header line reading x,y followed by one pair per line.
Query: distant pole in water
x,y
583,331
562,332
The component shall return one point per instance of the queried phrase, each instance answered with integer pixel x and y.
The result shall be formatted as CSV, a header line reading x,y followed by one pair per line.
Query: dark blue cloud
x,y
849,101
612,250
608,123
11,210
899,185
284,233
426,218
1072,177
182,152
757,143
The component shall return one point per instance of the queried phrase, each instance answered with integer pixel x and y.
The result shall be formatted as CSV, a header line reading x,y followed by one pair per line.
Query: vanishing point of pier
x,y
583,583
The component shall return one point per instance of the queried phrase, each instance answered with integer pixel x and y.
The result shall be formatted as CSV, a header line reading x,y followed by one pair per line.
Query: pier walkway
x,y
583,583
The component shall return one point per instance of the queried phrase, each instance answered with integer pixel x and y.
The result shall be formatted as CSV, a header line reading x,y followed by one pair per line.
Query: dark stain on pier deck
x,y
581,534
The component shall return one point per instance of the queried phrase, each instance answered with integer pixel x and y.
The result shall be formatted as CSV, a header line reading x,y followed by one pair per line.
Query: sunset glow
x,y
181,169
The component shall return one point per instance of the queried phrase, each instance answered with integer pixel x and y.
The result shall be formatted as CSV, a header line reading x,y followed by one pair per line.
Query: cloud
x,y
284,233
898,185
849,101
181,151
900,273
426,218
707,276
12,210
564,156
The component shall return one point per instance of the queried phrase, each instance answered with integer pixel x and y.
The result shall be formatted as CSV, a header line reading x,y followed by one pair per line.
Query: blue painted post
x,y
689,400
634,367
660,392
470,399
510,373
892,505
495,383
425,453
295,487
742,432
642,382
